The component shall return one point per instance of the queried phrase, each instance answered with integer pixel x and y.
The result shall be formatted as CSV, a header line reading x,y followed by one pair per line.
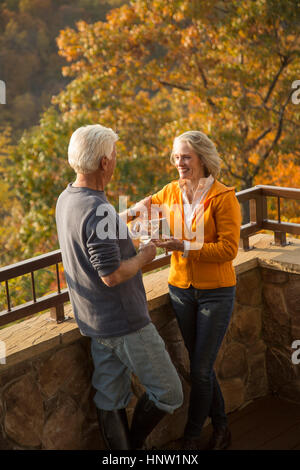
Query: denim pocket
x,y
110,343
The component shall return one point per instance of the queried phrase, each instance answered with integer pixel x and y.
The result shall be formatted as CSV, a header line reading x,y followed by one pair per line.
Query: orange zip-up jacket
x,y
211,266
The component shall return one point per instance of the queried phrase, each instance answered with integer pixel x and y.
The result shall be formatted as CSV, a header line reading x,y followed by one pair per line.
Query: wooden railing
x,y
257,198
259,220
54,301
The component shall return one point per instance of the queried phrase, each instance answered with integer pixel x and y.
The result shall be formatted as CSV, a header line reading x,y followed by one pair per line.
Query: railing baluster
x,y
7,296
253,210
278,209
57,278
33,286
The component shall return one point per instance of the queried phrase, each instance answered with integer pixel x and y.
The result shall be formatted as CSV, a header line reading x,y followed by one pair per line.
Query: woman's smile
x,y
183,171
187,162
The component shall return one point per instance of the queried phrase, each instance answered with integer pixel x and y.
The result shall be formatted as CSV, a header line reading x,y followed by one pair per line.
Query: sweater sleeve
x,y
227,216
102,245
160,197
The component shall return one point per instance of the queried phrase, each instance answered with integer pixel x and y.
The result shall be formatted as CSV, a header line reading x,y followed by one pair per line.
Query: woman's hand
x,y
169,244
143,206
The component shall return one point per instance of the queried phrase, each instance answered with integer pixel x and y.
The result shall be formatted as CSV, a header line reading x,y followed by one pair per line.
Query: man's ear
x,y
103,163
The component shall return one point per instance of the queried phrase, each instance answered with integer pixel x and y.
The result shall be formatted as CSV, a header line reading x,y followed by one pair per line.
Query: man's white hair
x,y
88,144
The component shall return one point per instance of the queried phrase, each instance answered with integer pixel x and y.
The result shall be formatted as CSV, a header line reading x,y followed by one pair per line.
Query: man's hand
x,y
129,267
148,252
170,244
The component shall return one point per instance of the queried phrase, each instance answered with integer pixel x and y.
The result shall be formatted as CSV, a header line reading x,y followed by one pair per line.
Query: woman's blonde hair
x,y
204,148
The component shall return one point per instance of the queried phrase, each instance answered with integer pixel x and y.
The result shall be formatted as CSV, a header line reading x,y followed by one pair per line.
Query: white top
x,y
189,209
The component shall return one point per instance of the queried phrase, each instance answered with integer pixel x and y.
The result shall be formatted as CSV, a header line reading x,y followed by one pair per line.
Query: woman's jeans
x,y
203,316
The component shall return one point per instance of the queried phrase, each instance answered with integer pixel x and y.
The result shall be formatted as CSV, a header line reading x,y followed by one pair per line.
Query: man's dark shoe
x,y
190,444
145,417
114,428
220,440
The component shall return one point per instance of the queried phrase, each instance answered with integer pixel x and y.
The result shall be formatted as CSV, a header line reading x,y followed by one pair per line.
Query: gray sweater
x,y
83,219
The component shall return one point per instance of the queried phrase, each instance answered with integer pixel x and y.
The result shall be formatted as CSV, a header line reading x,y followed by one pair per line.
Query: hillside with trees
x,y
29,61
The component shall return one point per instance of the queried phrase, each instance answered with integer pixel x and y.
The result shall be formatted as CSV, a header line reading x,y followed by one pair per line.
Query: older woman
x,y
202,278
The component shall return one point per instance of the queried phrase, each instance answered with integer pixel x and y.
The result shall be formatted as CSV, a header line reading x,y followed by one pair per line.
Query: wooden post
x,y
261,209
57,313
280,238
244,243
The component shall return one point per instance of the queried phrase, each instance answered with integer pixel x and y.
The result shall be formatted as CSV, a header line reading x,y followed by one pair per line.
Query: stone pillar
x,y
281,326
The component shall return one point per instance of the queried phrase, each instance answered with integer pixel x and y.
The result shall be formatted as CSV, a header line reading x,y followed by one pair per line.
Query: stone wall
x,y
46,400
281,326
46,403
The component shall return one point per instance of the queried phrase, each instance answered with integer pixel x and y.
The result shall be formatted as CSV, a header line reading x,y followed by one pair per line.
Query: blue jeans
x,y
143,353
203,316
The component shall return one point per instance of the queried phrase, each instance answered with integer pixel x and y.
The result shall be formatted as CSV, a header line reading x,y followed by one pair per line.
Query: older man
x,y
108,298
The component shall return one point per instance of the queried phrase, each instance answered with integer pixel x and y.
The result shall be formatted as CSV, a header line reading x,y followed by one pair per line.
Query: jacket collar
x,y
216,189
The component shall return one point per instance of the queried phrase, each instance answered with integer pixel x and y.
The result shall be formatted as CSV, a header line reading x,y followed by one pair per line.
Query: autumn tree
x,y
157,68
10,207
